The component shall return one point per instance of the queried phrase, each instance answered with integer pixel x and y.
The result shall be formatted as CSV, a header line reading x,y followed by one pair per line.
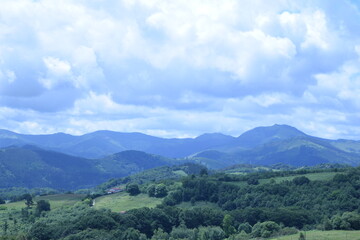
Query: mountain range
x,y
67,161
102,143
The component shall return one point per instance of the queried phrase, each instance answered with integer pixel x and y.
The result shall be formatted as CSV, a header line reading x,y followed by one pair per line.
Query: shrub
x,y
265,229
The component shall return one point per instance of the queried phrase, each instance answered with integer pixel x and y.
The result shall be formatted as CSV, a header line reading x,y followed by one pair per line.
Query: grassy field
x,y
246,170
180,173
123,201
55,201
324,235
322,176
13,209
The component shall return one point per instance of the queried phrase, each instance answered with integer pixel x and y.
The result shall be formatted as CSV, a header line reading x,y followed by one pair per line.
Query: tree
x,y
5,226
132,234
42,206
246,227
227,225
353,219
302,236
40,231
339,223
160,191
327,224
151,190
241,236
133,189
182,232
28,200
2,201
265,229
211,233
203,172
301,180
159,234
252,181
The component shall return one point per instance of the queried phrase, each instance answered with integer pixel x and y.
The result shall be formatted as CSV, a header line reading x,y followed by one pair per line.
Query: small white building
x,y
114,190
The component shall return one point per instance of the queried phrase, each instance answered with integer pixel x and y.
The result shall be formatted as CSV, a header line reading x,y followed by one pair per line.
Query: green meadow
x,y
321,176
123,201
324,235
56,201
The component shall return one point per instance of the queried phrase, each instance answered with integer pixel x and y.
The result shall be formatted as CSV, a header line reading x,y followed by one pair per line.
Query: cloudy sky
x,y
179,68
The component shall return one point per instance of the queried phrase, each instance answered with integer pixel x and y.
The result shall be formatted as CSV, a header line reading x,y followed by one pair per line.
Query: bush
x,y
160,191
182,232
252,181
211,233
42,206
265,229
151,190
133,189
301,180
246,227
353,219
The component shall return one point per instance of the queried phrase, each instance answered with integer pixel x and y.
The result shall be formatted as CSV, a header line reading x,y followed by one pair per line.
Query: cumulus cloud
x,y
179,68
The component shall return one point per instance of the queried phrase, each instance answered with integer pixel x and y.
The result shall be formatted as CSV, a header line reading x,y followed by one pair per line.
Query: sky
x,y
180,68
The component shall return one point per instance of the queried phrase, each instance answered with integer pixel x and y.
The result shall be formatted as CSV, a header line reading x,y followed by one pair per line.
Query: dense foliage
x,y
222,207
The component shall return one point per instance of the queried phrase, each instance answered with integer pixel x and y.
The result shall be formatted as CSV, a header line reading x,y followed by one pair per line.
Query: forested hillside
x,y
217,206
32,167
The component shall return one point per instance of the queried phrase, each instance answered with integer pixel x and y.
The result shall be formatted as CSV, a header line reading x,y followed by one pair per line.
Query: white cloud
x,y
316,31
173,67
342,85
310,28
57,72
7,77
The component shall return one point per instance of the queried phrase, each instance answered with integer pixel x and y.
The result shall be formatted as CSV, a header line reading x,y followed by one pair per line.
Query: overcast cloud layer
x,y
180,68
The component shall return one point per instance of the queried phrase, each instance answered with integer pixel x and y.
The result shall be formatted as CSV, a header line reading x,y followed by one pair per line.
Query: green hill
x,y
32,167
296,151
130,162
155,175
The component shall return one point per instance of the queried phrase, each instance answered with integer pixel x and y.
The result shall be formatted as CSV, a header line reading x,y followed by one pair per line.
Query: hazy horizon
x,y
180,137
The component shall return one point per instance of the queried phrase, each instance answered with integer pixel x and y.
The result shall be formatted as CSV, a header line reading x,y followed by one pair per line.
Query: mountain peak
x,y
261,135
209,136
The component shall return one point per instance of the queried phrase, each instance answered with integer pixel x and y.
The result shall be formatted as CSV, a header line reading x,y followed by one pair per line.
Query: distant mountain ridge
x,y
119,154
102,143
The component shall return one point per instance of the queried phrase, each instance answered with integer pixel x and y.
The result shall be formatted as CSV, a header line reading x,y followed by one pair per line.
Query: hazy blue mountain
x,y
102,143
299,151
261,145
262,135
131,161
296,151
31,166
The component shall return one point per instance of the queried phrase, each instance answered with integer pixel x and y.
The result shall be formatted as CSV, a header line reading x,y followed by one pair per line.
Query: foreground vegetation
x,y
269,205
324,235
